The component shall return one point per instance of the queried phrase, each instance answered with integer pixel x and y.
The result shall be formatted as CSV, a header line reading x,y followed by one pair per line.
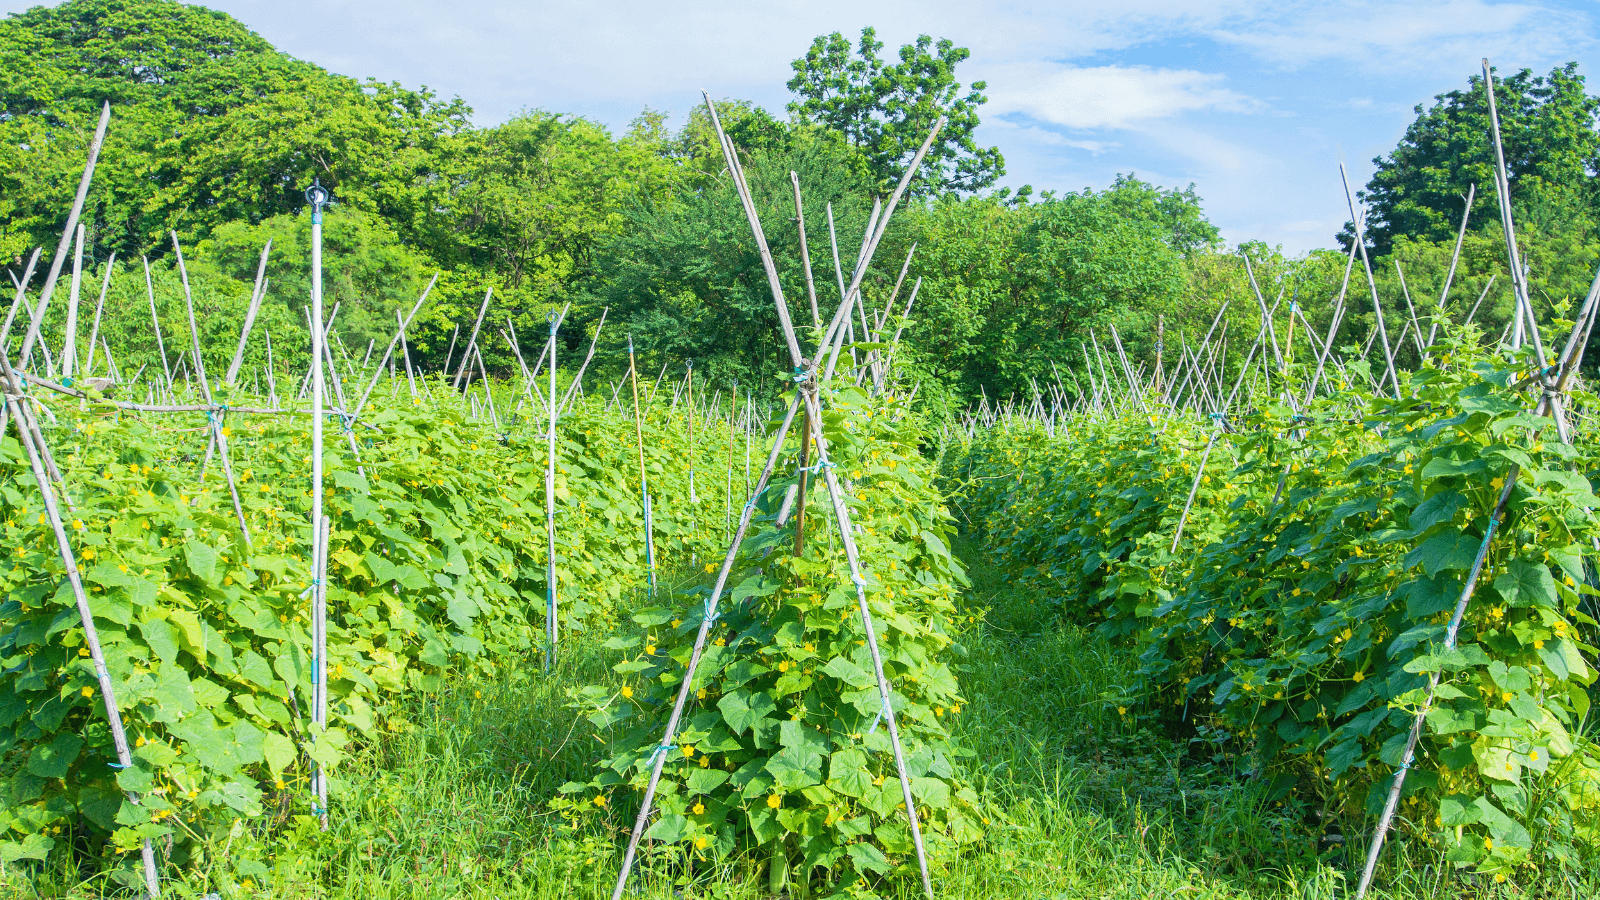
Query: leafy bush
x,y
437,565
781,744
1307,602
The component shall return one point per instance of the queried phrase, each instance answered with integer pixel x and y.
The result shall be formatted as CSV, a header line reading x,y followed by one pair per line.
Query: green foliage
x,y
781,741
1552,152
436,570
685,276
1009,291
1307,602
886,110
210,125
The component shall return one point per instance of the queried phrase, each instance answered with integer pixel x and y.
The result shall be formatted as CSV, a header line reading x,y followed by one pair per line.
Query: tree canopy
x,y
885,110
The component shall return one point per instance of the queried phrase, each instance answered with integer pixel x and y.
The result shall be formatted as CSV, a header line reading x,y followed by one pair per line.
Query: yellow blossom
x,y
775,800
627,691
699,809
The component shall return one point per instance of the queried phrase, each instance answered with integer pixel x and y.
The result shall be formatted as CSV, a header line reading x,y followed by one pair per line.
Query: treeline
x,y
215,135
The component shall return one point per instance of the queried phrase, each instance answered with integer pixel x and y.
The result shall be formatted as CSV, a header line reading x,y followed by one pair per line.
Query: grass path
x,y
1083,801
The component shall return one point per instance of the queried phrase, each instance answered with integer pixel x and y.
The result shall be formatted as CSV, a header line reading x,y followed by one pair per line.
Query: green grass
x,y
1082,802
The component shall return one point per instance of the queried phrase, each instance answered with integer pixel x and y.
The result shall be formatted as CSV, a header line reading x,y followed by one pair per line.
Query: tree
x,y
1552,152
886,110
1176,213
683,273
210,124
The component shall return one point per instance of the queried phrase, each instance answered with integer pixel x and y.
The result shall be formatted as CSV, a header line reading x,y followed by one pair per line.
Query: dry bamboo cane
x,y
66,235
69,339
644,478
405,355
466,359
1366,264
1461,236
1416,326
805,252
399,333
155,319
572,389
99,308
875,234
899,329
807,393
18,301
658,757
847,538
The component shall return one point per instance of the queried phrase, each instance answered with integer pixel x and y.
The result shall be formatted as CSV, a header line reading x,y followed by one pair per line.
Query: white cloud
x,y
1117,97
1380,35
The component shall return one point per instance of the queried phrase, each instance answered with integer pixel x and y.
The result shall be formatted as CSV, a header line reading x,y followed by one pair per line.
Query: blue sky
x,y
1254,101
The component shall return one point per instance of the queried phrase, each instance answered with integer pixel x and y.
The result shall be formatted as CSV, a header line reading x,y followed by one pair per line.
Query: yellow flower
x,y
88,553
1534,756
702,842
1359,677
775,800
705,761
278,784
811,648
711,567
700,694
1122,710
783,666
1538,645
600,801
688,750
699,810
649,649
1488,843
88,692
627,691
1499,878
478,694
139,742
1505,697
676,622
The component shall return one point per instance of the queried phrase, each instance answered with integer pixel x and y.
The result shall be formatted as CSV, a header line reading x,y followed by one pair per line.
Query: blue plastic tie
x,y
663,748
117,765
879,717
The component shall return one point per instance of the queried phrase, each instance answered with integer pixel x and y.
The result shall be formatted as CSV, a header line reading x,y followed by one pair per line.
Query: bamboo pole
x,y
1455,256
644,478
66,235
805,252
69,340
99,308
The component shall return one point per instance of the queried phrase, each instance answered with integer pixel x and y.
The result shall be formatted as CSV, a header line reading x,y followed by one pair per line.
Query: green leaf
x,y
53,759
867,858
848,672
704,781
202,559
280,752
670,828
742,710
1444,551
1527,584
33,846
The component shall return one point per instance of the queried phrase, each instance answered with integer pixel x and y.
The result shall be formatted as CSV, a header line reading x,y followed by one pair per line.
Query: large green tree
x,y
1552,153
885,109
210,124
